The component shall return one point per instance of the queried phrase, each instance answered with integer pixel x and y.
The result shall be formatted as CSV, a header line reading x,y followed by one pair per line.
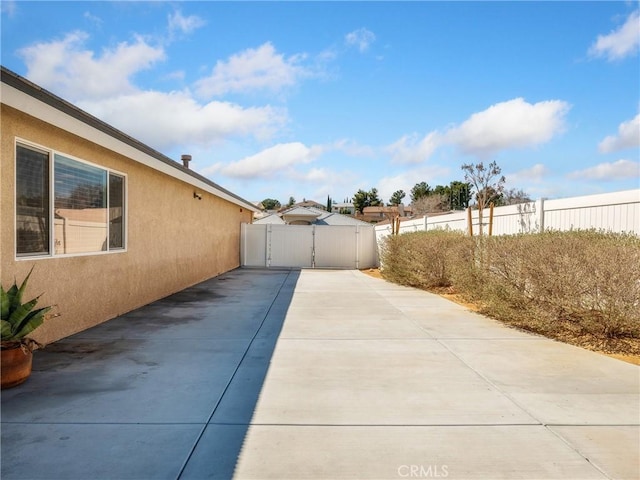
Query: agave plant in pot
x,y
18,320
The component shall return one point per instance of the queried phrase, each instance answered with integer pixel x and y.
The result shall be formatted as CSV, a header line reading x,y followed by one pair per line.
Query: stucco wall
x,y
173,240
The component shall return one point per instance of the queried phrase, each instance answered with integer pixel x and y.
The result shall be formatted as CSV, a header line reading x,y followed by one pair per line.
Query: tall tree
x,y
374,200
396,198
460,195
514,197
292,202
270,204
487,183
329,203
444,194
363,199
440,190
420,190
360,200
430,204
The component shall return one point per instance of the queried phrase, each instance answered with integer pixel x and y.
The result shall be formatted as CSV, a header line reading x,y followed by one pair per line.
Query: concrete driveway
x,y
318,374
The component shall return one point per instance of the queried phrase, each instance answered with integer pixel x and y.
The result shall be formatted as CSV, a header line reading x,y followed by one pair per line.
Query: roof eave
x,y
25,96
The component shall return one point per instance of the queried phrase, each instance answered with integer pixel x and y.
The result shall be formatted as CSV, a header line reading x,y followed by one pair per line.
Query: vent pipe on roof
x,y
185,160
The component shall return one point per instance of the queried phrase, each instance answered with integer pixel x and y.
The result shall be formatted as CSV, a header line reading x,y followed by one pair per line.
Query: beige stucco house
x,y
108,223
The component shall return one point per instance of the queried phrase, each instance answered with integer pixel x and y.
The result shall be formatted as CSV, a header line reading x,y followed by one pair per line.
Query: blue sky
x,y
309,99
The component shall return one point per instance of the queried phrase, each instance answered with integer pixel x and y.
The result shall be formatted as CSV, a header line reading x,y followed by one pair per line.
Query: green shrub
x,y
423,259
587,280
18,318
579,286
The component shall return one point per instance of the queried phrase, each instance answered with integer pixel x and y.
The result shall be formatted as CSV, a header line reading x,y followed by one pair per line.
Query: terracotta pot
x,y
15,366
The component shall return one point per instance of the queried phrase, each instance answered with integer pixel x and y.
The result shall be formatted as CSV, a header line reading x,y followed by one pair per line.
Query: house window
x,y
32,202
88,205
116,211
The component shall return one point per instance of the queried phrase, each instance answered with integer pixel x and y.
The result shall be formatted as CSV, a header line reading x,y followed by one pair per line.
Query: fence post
x,y
243,244
540,214
313,246
267,246
357,247
425,222
470,221
491,219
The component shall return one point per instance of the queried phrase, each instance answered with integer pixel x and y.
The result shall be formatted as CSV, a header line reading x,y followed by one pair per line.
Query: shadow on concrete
x,y
220,444
139,396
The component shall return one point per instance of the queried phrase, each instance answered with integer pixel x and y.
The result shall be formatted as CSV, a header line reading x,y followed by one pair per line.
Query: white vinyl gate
x,y
308,246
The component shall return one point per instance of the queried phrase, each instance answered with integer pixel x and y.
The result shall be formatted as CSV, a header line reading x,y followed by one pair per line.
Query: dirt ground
x,y
635,359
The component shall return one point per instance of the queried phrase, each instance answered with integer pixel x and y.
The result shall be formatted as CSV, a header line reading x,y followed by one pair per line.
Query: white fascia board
x,y
14,98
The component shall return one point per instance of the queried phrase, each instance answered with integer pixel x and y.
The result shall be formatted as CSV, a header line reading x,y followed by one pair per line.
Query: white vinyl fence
x,y
308,246
615,212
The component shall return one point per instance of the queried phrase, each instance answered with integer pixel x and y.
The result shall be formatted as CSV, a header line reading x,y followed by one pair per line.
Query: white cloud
x,y
75,73
620,43
8,7
330,182
511,124
326,56
94,20
406,180
628,137
184,25
314,175
619,170
412,149
291,167
259,68
360,38
102,85
526,177
269,163
168,119
351,148
179,75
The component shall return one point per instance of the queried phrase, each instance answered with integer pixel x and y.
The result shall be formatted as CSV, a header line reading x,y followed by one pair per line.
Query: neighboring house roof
x,y
301,215
302,212
393,209
309,203
263,213
317,216
375,213
274,218
19,93
339,219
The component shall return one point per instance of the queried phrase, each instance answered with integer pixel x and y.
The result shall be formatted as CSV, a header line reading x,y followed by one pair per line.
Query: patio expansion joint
x,y
358,339
381,425
575,448
548,427
235,371
104,423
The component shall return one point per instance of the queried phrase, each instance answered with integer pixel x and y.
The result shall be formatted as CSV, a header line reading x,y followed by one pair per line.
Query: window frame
x,y
51,153
49,215
113,173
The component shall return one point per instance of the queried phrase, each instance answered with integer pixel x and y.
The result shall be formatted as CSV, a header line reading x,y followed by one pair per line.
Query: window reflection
x,y
80,207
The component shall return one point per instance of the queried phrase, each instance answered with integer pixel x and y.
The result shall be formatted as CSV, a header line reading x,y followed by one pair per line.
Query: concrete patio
x,y
318,374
